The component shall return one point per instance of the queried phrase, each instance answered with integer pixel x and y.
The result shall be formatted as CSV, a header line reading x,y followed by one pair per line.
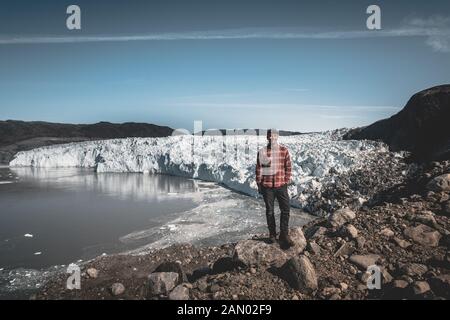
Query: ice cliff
x,y
320,160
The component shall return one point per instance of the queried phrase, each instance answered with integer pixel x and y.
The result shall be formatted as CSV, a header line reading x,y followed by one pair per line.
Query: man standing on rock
x,y
273,174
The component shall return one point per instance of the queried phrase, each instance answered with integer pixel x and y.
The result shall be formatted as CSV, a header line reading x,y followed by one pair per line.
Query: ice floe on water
x,y
220,216
317,158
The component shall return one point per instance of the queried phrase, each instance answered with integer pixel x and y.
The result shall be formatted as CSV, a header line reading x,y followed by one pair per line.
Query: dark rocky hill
x,y
422,126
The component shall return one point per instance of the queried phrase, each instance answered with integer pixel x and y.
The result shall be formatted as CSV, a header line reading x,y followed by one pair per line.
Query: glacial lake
x,y
52,217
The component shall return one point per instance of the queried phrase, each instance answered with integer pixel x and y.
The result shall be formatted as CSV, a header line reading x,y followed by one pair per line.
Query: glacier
x,y
318,159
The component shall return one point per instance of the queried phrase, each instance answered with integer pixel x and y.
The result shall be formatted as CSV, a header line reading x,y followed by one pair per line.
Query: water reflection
x,y
126,186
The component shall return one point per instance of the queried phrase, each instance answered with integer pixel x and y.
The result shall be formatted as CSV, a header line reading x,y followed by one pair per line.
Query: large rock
x,y
179,293
162,282
441,285
364,261
423,235
92,273
426,218
420,287
420,127
169,266
402,243
341,217
299,240
440,183
299,272
117,289
414,269
252,252
349,231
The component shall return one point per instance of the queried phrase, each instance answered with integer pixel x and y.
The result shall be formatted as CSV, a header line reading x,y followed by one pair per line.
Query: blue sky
x,y
297,65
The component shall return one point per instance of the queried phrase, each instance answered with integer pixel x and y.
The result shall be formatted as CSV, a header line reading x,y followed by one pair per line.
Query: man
x,y
273,174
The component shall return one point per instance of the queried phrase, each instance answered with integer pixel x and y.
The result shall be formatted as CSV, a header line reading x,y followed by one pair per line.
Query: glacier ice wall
x,y
317,158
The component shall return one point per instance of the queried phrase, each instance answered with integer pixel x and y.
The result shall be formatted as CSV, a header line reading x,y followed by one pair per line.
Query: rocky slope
x,y
405,231
420,127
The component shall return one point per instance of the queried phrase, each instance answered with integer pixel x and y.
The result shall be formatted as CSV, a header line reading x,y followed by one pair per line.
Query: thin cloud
x,y
438,41
296,90
414,28
435,30
281,105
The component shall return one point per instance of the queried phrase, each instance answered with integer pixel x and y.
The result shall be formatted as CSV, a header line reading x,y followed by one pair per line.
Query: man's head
x,y
272,136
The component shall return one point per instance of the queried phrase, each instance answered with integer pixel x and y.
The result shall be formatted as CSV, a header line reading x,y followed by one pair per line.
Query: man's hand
x,y
260,189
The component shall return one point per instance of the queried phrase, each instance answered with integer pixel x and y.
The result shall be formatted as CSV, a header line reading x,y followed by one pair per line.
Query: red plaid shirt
x,y
273,166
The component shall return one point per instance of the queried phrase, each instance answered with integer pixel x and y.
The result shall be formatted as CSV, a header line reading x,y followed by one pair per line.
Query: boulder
x,y
299,272
179,293
402,243
349,231
427,218
423,235
399,284
313,247
341,217
364,261
92,273
440,183
414,269
252,252
299,240
162,282
117,289
169,266
441,285
420,287
386,232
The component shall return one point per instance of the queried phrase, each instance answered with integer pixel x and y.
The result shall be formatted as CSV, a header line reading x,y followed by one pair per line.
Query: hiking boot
x,y
286,241
272,239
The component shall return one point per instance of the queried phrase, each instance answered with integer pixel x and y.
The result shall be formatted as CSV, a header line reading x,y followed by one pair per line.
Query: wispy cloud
x,y
439,42
296,90
436,31
283,106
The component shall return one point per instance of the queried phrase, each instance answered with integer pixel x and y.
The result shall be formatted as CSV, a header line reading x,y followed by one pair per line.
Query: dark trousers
x,y
282,196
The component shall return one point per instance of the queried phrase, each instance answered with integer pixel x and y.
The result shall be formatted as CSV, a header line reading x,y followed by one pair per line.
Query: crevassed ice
x,y
227,160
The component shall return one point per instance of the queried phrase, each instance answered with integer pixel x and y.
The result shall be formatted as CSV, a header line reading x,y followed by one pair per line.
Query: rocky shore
x,y
404,230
